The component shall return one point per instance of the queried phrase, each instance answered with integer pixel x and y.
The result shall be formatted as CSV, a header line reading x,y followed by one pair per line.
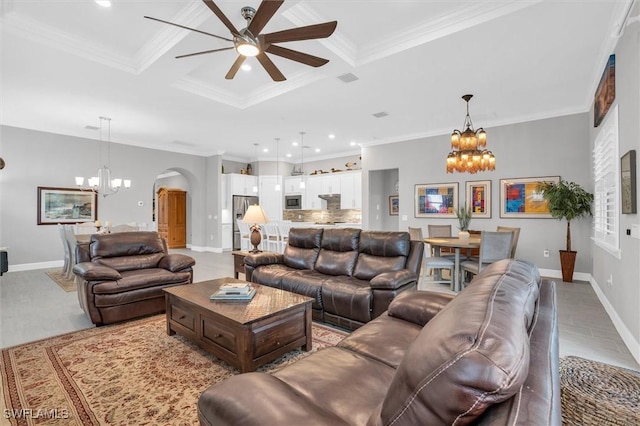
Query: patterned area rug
x,y
66,283
125,374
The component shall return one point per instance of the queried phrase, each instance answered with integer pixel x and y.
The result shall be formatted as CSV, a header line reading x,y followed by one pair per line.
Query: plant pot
x,y
463,235
567,263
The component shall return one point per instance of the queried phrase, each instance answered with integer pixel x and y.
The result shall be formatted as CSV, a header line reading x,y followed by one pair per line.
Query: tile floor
x,y
33,307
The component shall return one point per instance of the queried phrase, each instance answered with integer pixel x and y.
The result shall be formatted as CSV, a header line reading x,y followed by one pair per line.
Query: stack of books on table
x,y
234,291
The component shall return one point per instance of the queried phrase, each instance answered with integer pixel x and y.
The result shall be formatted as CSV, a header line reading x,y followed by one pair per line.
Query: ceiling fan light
x,y
246,47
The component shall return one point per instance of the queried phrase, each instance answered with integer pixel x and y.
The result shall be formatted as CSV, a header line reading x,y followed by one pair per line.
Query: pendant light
x,y
302,183
277,188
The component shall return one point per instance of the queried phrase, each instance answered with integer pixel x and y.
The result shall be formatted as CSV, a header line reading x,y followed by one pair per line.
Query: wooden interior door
x,y
172,216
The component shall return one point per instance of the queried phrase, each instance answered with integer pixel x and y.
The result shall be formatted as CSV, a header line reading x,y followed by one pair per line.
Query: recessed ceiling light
x,y
317,149
265,149
246,67
289,155
295,144
353,143
104,3
332,136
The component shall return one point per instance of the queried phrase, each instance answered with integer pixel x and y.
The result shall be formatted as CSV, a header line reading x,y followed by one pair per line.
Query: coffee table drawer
x,y
183,316
279,333
218,334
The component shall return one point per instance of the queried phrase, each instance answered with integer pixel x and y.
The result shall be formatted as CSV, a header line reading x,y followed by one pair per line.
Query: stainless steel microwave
x,y
292,202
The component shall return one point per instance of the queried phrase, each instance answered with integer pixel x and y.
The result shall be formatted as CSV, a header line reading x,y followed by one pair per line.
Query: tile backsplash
x,y
324,216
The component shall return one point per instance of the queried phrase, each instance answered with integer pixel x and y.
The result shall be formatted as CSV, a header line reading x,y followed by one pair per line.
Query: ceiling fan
x,y
249,42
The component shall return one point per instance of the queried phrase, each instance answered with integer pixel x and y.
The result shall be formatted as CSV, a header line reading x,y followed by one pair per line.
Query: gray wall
x,y
550,147
46,159
623,295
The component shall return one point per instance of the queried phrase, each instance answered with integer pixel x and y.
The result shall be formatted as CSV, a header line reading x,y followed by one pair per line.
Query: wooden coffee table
x,y
245,334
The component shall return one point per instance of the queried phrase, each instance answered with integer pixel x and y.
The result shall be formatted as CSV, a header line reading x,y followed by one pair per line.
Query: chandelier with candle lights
x,y
465,155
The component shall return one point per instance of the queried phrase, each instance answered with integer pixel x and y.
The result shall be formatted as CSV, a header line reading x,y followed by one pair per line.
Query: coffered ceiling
x,y
65,63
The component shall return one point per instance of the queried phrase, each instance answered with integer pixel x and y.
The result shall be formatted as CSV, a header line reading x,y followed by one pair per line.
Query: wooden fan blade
x,y
303,33
216,10
188,28
204,52
294,55
265,12
235,67
270,67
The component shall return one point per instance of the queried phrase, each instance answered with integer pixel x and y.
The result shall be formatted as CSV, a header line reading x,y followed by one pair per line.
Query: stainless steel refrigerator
x,y
240,205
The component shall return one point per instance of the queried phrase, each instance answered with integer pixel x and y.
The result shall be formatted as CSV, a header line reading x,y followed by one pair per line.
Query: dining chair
x,y
514,241
67,265
245,235
124,228
435,264
494,246
284,226
70,236
272,236
85,228
441,231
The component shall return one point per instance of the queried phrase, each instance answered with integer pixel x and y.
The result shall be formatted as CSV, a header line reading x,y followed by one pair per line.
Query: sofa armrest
x,y
264,258
91,272
393,279
417,306
176,262
226,404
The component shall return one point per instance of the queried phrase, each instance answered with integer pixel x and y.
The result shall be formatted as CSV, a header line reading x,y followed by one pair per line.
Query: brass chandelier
x,y
465,155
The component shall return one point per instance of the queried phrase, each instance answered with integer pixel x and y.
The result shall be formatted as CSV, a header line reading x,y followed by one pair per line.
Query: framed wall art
x,y
394,205
606,91
479,198
66,205
521,198
628,182
438,200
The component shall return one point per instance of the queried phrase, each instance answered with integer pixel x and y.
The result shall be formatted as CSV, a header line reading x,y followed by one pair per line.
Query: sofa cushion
x,y
142,278
129,263
381,252
339,251
385,339
307,283
302,248
347,297
126,244
456,369
271,275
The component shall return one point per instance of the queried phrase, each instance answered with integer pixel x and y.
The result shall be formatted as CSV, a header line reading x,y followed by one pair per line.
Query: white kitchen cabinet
x,y
270,199
224,193
330,184
310,200
292,185
351,190
243,184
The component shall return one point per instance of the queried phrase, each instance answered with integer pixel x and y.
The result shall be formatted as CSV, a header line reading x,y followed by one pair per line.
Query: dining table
x,y
457,244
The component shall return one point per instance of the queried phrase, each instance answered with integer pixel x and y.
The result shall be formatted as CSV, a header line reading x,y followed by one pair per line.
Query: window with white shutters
x,y
606,174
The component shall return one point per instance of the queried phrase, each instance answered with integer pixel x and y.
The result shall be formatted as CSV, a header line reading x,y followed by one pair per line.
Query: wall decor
x,y
606,91
66,205
394,205
479,198
521,198
628,182
436,200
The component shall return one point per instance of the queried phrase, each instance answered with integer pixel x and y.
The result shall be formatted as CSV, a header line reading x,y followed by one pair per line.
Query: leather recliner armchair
x,y
121,275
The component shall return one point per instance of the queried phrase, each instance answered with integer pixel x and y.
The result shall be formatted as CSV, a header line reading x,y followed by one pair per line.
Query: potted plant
x,y
464,218
567,200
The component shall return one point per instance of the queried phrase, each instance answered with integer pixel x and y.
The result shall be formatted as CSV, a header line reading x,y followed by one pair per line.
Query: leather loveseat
x,y
488,356
121,275
351,274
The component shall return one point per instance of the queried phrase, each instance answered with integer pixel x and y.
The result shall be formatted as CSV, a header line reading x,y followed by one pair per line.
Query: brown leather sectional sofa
x,y
487,356
351,274
121,275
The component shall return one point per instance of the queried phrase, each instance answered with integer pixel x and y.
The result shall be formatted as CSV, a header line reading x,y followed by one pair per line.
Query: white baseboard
x,y
38,265
627,337
554,273
207,249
